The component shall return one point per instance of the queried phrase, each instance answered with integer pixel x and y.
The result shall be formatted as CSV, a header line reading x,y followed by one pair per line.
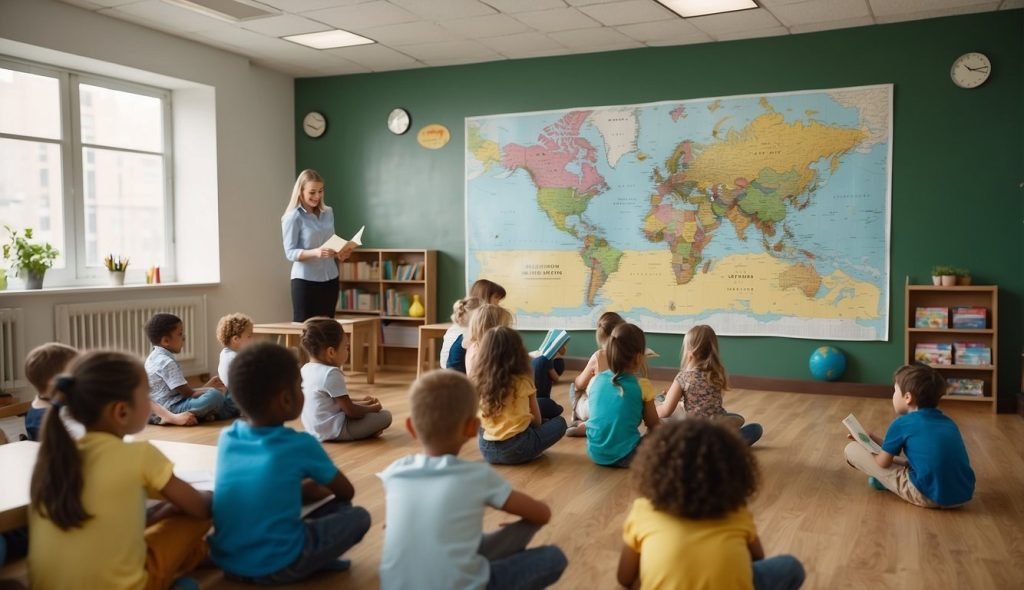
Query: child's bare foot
x,y
183,419
578,429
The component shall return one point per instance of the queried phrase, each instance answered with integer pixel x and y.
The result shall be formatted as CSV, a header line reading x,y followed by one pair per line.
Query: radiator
x,y
121,325
12,349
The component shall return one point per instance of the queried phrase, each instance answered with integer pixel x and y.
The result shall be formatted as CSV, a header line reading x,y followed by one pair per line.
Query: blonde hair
x,y
700,352
306,176
502,361
487,316
440,403
626,345
231,325
605,324
463,308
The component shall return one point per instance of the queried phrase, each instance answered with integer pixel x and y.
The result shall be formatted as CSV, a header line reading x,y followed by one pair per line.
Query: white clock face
x,y
970,70
398,121
314,124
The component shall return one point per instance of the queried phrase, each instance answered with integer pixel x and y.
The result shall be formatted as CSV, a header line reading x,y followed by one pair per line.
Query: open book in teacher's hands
x,y
339,244
860,435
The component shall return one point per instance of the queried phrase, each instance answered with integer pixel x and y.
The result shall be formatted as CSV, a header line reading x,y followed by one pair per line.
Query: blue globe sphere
x,y
827,363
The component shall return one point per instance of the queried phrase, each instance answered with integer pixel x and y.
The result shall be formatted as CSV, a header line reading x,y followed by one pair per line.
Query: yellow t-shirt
x,y
683,554
108,551
515,417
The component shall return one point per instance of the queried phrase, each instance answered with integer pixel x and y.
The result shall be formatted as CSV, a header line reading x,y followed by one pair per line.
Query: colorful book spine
x,y
934,353
962,386
970,318
972,353
931,317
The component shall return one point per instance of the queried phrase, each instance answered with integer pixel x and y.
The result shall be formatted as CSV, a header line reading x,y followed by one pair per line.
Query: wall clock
x,y
970,70
314,124
399,121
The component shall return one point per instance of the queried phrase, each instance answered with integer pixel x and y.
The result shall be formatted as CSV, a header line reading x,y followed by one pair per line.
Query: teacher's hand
x,y
343,255
327,253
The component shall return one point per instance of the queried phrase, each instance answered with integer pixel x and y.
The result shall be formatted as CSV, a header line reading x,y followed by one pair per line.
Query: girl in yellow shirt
x,y
690,529
87,519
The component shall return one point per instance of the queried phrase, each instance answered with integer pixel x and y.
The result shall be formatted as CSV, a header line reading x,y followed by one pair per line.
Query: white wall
x,y
255,156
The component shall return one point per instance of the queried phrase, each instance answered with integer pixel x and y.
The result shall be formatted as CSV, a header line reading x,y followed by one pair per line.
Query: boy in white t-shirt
x,y
435,495
234,331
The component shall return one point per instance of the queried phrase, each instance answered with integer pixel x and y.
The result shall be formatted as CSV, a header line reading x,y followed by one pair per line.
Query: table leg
x,y
374,341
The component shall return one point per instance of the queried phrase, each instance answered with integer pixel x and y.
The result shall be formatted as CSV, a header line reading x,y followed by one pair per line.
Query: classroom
x,y
415,133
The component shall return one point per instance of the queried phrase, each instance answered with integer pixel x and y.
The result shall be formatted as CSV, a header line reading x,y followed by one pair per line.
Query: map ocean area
x,y
769,213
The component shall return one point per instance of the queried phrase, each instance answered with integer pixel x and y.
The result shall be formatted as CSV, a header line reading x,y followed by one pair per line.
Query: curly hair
x,y
702,344
259,373
160,325
696,469
503,360
231,325
319,334
463,309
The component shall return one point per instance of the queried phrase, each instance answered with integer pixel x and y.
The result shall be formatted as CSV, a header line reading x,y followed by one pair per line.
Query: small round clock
x,y
398,121
970,70
314,124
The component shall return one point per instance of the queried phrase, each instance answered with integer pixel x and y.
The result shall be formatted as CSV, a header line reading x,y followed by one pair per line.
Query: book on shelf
x,y
934,353
970,318
860,435
359,300
963,386
931,317
972,353
403,271
360,271
554,340
396,303
340,244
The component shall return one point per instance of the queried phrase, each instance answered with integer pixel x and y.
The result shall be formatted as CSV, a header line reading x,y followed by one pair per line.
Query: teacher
x,y
308,223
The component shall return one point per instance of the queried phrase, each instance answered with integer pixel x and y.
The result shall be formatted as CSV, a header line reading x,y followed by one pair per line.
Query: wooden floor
x,y
810,504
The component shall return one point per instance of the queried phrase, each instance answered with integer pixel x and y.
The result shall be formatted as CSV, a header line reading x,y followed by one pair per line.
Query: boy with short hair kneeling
x,y
435,495
259,534
936,472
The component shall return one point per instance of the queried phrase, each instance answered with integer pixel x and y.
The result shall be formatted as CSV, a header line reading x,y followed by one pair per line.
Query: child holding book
x,y
330,413
233,332
87,519
700,382
936,471
453,354
690,527
546,373
487,316
620,398
436,495
598,362
265,470
513,430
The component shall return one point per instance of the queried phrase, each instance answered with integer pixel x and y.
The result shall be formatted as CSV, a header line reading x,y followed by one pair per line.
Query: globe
x,y
827,363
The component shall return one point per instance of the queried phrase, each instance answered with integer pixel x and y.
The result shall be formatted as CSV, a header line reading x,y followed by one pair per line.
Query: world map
x,y
759,215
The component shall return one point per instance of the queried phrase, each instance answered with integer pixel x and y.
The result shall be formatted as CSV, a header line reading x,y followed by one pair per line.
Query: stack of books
x,y
359,300
360,271
967,318
934,353
972,353
396,303
931,317
961,386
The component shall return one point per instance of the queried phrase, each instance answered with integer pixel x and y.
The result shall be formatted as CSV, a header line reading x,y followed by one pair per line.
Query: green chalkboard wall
x,y
958,157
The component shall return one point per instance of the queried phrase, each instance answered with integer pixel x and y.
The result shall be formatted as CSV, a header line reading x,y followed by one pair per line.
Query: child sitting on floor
x,y
233,332
329,412
453,354
598,362
436,495
42,364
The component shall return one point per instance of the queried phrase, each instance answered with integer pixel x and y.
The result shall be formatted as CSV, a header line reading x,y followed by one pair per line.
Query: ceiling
x,y
426,33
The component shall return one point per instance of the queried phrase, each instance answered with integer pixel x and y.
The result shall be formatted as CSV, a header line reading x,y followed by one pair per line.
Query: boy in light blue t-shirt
x,y
437,496
936,472
265,471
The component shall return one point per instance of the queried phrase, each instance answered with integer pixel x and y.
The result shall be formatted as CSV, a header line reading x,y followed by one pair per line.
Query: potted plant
x,y
117,266
944,275
963,276
27,258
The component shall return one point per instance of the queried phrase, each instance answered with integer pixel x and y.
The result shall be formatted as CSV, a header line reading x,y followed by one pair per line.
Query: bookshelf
x,y
975,296
382,282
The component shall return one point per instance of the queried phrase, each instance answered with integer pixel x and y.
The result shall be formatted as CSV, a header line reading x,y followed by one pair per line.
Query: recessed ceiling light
x,y
689,8
329,39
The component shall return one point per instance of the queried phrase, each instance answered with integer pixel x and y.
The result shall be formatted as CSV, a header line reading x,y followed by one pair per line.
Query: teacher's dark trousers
x,y
311,299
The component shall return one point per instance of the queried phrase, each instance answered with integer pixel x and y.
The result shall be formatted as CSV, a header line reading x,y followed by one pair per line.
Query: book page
x,y
860,435
339,244
307,508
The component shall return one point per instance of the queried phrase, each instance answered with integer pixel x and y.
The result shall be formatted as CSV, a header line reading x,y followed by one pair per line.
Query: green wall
x,y
957,160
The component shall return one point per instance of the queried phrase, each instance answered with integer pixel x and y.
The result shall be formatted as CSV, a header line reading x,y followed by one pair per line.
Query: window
x,y
86,162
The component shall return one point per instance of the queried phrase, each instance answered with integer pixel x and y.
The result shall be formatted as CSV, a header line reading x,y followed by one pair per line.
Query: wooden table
x,y
426,348
362,331
18,459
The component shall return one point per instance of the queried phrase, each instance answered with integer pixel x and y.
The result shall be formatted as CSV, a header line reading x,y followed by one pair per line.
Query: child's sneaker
x,y
874,483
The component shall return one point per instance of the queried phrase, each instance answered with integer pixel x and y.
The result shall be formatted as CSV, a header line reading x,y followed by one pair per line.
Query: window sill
x,y
73,290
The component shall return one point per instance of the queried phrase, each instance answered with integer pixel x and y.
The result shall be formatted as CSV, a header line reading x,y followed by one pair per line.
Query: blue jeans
x,y
331,530
210,403
513,566
34,422
542,380
525,446
781,572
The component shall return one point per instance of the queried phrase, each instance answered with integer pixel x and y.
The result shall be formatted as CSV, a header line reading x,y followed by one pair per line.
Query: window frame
x,y
72,166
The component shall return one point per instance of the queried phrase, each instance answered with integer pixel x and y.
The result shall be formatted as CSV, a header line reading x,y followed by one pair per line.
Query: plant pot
x,y
964,280
33,280
117,278
948,280
936,280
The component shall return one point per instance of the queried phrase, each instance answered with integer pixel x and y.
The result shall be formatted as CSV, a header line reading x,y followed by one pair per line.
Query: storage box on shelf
x,y
386,283
955,330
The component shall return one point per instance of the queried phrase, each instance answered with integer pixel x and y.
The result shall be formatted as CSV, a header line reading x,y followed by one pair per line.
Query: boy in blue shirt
x,y
265,471
436,502
936,472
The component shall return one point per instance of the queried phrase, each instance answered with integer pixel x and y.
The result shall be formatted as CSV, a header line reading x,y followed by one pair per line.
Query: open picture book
x,y
339,244
860,435
202,480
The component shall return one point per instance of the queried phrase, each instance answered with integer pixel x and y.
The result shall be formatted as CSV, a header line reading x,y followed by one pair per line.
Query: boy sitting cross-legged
x,y
437,496
265,470
167,384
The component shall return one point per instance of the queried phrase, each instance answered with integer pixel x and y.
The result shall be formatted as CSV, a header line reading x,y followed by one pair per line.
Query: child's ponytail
x,y
95,380
462,309
626,343
57,483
